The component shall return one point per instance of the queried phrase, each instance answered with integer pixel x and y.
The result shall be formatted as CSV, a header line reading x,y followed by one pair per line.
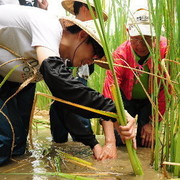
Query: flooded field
x,y
45,154
46,158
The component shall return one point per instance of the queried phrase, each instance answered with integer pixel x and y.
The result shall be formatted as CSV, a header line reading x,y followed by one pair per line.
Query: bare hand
x,y
97,150
109,151
129,131
146,135
43,4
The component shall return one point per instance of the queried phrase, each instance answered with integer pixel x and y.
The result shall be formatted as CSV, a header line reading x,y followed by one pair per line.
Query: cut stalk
x,y
136,164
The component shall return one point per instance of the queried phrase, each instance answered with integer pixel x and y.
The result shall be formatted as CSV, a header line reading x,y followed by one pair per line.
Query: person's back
x,y
21,22
2,2
25,97
56,72
27,45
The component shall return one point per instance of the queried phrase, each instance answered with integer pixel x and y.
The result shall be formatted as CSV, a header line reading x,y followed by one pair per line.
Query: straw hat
x,y
68,5
139,24
88,26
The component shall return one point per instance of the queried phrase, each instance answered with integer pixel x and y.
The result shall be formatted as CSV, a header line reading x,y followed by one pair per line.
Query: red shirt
x,y
124,55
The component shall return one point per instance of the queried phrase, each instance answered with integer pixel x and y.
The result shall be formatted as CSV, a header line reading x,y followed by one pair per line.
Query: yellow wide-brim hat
x,y
69,6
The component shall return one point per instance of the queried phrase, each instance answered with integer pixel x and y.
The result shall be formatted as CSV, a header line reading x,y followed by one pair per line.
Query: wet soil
x,y
45,157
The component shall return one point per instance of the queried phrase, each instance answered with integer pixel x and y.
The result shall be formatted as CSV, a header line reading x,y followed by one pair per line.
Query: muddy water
x,y
42,160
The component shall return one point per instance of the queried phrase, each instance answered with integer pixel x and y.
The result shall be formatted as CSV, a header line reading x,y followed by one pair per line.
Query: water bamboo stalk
x,y
135,162
120,109
66,155
168,12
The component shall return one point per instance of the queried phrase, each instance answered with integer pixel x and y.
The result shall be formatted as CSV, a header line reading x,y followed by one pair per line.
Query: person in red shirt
x,y
135,53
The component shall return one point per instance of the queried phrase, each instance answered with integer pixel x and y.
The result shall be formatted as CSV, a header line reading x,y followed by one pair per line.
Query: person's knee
x,y
60,139
5,149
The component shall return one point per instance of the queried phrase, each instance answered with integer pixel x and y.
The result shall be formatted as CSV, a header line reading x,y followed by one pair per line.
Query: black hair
x,y
73,29
77,5
98,50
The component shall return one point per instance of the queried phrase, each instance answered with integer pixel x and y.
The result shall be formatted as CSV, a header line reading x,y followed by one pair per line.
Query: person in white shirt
x,y
46,47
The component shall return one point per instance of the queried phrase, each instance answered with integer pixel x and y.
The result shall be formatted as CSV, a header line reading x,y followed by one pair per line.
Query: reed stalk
x,y
8,75
56,174
106,113
156,11
167,145
135,162
68,156
57,163
118,100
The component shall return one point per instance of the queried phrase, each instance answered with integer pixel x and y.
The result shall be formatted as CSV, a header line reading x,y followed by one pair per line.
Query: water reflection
x,y
43,159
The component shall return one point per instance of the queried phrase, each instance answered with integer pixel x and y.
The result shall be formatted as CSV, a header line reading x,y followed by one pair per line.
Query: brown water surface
x,y
42,160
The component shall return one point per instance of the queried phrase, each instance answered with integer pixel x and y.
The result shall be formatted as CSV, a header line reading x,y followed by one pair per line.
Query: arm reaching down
x,y
63,85
109,150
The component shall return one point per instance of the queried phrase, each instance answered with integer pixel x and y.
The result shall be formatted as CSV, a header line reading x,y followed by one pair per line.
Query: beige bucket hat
x,y
90,28
68,5
140,23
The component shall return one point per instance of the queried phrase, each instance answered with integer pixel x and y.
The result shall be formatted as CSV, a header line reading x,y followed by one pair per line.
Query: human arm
x,y
161,95
75,126
60,81
147,130
161,103
43,4
147,136
56,73
43,53
63,85
109,150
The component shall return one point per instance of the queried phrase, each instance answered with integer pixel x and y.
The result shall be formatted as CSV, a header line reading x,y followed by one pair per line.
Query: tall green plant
x,y
167,143
136,165
117,17
43,103
156,11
